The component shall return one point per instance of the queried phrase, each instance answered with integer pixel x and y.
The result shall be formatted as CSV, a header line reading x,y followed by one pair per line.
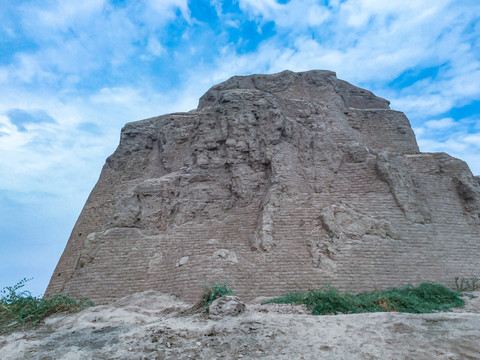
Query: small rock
x,y
226,306
182,261
225,255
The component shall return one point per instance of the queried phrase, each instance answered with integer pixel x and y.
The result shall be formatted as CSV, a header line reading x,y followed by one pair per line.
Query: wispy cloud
x,y
21,118
295,15
444,123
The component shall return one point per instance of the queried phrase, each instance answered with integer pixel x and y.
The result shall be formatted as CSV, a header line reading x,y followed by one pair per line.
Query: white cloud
x,y
117,95
46,148
456,87
155,47
419,131
166,8
473,139
366,42
444,123
359,12
75,39
260,7
233,23
399,37
296,14
62,14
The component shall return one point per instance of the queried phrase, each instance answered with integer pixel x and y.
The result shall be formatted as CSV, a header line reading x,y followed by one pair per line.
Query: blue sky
x,y
72,73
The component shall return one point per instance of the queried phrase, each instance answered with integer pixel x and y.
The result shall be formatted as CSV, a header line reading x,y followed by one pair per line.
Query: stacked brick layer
x,y
275,183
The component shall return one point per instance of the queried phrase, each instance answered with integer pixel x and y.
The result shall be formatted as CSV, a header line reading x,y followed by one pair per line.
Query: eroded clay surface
x,y
274,183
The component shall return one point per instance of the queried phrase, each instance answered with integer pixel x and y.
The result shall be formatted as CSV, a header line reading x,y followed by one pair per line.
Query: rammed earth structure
x,y
275,183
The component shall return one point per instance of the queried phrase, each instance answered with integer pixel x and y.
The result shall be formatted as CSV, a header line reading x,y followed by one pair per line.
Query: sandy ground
x,y
151,325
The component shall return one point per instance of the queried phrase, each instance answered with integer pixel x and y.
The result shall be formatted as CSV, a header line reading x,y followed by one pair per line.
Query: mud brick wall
x,y
275,183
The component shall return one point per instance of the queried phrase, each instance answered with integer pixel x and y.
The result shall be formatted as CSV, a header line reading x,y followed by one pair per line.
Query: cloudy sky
x,y
72,73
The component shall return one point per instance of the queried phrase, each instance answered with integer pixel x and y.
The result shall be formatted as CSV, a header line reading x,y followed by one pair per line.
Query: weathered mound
x,y
275,183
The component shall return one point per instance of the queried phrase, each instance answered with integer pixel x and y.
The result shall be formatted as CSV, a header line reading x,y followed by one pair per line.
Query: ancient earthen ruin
x,y
274,183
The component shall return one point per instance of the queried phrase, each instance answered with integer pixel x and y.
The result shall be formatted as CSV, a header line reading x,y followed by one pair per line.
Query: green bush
x,y
424,298
214,291
21,308
464,284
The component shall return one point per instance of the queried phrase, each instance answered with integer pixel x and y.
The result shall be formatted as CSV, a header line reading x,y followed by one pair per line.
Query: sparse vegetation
x,y
20,308
214,291
424,298
464,284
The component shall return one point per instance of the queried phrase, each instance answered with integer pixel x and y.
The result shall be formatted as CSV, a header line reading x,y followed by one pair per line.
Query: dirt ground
x,y
151,325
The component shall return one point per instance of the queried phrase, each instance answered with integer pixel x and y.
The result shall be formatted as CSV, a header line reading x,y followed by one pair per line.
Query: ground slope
x,y
150,325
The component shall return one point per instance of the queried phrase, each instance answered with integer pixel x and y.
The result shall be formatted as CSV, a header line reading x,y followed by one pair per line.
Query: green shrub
x,y
214,291
21,308
424,298
464,284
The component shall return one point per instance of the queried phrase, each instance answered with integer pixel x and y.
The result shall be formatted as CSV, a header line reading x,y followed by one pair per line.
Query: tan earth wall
x,y
275,183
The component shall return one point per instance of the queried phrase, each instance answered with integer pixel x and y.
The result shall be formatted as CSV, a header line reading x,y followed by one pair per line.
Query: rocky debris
x,y
151,326
226,306
275,183
258,305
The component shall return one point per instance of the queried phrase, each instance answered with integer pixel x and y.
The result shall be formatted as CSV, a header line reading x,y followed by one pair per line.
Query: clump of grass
x,y
465,284
424,298
20,308
215,291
